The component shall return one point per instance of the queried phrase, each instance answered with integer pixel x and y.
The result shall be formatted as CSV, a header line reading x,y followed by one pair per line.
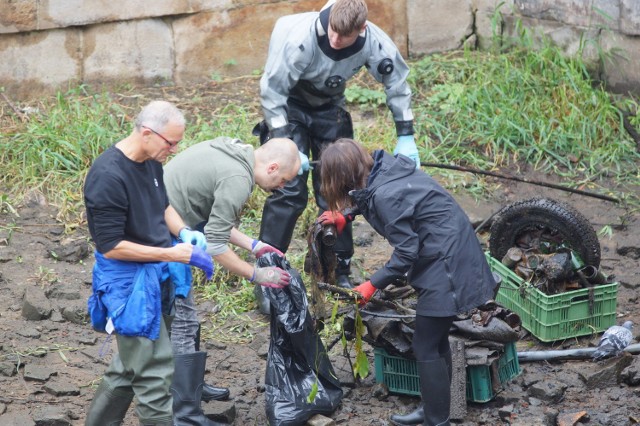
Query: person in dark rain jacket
x,y
435,249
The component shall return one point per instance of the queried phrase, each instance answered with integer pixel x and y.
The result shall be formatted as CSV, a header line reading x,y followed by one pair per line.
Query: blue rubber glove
x,y
304,163
407,146
196,238
200,259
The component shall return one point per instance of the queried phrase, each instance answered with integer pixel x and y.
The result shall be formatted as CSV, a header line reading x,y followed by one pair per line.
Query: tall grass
x,y
57,145
472,108
537,107
520,106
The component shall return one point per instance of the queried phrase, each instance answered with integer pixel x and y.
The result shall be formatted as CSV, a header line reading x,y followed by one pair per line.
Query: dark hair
x,y
344,165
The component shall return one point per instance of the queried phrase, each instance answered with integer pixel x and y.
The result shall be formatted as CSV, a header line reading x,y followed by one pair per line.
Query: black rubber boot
x,y
449,362
343,271
435,388
214,393
343,281
416,417
108,407
186,389
210,392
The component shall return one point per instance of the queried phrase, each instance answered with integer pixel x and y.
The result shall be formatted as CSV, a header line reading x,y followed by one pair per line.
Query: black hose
x,y
525,180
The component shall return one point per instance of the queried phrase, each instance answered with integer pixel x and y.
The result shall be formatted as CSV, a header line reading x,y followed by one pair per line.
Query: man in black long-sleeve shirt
x,y
131,223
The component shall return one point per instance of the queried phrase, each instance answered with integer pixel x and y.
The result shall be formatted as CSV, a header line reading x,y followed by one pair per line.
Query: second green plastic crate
x,y
561,316
483,381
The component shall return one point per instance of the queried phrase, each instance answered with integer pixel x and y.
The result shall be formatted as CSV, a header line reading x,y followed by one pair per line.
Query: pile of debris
x,y
390,323
554,273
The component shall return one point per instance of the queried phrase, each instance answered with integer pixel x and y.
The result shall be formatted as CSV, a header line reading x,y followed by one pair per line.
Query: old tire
x,y
544,225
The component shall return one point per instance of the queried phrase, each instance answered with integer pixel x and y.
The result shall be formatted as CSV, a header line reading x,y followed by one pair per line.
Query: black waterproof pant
x,y
312,129
431,337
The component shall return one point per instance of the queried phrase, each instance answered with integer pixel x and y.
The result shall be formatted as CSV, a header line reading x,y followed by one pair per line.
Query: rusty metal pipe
x,y
593,275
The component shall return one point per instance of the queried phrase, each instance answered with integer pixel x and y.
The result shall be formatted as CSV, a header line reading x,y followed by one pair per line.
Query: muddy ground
x,y
50,359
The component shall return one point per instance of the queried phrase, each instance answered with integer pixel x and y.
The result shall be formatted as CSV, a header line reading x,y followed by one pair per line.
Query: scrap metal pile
x,y
553,273
549,244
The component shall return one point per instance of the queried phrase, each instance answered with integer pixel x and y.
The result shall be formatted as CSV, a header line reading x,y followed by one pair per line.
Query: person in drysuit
x,y
311,57
435,248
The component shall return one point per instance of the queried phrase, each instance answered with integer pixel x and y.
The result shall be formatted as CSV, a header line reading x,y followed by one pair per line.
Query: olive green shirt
x,y
210,182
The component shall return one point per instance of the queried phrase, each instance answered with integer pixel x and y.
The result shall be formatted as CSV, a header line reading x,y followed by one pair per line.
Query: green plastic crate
x,y
484,382
560,316
400,375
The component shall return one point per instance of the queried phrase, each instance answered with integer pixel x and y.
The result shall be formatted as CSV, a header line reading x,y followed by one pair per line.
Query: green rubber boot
x,y
108,406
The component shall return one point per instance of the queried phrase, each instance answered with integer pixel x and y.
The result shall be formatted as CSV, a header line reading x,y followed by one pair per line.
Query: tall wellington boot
x,y
108,406
343,272
186,389
210,392
416,417
435,388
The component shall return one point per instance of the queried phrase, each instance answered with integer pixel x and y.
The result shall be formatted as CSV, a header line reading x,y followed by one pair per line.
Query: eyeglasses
x,y
171,144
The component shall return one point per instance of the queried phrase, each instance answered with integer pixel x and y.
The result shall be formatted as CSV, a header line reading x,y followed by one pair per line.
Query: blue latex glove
x,y
200,259
407,146
196,238
304,163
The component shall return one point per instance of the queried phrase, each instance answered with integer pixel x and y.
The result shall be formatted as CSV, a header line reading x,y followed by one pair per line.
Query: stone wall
x,y
46,45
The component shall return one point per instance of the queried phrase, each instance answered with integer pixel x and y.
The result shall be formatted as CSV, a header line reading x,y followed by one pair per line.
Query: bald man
x,y
208,185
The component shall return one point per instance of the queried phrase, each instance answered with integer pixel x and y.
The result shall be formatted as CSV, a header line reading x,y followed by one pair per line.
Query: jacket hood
x,y
386,168
236,149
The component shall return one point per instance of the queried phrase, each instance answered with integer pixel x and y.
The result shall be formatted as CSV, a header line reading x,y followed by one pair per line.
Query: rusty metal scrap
x,y
552,273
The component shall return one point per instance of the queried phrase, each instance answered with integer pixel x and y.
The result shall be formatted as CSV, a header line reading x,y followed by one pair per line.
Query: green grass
x,y
535,107
476,109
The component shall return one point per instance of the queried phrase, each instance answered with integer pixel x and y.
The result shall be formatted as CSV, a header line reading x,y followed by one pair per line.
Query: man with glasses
x,y
311,57
132,223
169,143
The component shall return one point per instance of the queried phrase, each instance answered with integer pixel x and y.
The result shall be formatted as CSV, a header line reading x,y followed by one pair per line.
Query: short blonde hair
x,y
348,16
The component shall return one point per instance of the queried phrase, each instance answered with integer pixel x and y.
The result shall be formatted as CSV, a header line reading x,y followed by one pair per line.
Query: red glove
x,y
333,218
366,290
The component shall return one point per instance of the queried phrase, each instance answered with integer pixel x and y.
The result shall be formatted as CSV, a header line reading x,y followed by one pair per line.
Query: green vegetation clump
x,y
476,109
536,107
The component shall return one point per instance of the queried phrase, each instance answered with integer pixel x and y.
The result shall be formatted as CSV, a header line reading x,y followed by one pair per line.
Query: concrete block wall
x,y
49,45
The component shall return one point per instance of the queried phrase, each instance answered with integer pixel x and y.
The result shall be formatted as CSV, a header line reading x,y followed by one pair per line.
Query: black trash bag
x,y
297,358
